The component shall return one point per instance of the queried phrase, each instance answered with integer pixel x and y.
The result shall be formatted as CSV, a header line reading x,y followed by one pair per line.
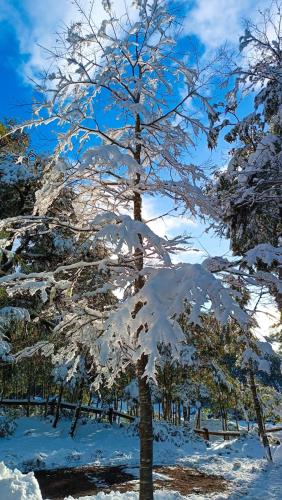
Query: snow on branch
x,y
265,253
149,319
7,316
44,347
110,155
122,231
258,355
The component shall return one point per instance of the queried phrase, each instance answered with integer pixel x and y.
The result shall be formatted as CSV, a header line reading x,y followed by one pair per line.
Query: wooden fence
x,y
225,434
68,406
110,413
206,433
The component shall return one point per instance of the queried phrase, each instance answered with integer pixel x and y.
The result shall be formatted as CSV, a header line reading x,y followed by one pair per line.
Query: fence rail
x,y
274,429
65,405
206,433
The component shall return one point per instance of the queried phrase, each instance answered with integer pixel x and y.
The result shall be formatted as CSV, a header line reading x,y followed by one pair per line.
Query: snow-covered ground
x,y
35,444
17,486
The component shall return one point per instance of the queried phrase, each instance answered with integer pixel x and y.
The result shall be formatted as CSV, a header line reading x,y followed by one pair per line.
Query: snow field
x,y
35,444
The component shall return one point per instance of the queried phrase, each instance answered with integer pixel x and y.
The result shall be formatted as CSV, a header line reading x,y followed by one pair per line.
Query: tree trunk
x,y
115,408
225,424
90,398
146,435
198,419
28,396
237,418
259,415
46,407
145,406
179,412
189,413
75,419
185,413
57,415
77,411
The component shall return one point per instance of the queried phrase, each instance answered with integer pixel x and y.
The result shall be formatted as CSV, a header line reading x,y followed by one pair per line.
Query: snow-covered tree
x,y
19,179
248,194
125,101
30,245
20,172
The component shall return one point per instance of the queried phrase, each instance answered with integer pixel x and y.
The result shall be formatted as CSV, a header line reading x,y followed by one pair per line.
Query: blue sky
x,y
12,88
25,24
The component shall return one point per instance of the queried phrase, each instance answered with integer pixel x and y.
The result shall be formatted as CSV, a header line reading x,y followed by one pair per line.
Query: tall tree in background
x,y
20,172
248,194
29,245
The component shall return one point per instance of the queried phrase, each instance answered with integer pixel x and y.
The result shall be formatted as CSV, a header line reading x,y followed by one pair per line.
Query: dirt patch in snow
x,y
190,481
181,479
59,483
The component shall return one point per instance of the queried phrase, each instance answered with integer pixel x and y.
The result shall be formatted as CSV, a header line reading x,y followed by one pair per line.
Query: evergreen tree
x,y
248,194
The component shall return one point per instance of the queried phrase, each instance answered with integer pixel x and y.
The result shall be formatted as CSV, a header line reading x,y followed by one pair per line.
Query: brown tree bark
x,y
29,386
179,412
198,419
146,434
77,411
145,405
259,415
237,418
46,407
189,413
185,413
58,406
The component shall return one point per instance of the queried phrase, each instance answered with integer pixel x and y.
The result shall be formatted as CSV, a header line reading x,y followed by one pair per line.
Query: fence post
x,y
110,415
206,434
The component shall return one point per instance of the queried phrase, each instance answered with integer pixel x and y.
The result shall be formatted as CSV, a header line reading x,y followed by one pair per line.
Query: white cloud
x,y
218,21
170,226
213,21
37,22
